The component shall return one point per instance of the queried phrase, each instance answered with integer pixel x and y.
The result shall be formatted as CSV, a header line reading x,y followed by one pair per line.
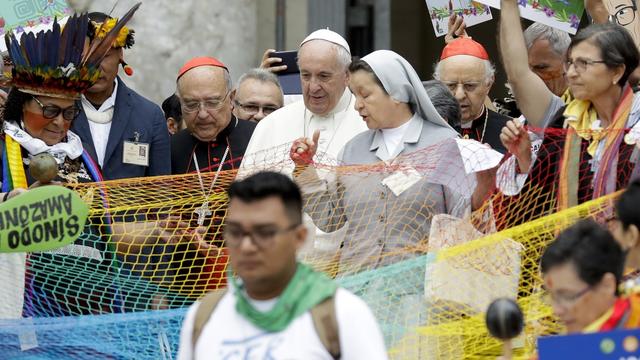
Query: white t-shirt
x,y
229,336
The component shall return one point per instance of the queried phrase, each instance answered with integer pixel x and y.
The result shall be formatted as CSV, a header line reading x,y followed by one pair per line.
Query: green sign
x,y
41,219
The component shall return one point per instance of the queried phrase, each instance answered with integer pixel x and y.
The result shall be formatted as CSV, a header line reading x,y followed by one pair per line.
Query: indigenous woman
x,y
586,152
51,69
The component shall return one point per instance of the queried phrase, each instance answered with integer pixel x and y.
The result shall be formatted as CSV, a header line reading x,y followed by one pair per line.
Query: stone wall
x,y
168,32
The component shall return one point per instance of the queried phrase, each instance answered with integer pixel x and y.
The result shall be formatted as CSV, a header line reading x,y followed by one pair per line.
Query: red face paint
x,y
35,122
47,130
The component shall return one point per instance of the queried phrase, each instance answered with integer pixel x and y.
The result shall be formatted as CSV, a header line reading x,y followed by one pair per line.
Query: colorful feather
x,y
64,40
56,62
100,47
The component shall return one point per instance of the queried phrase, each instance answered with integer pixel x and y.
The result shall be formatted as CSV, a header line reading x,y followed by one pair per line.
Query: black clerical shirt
x,y
494,122
210,153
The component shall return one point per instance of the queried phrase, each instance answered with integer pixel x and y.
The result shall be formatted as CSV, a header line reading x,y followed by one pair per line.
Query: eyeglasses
x,y
580,64
255,108
564,300
261,237
625,15
208,104
52,111
467,87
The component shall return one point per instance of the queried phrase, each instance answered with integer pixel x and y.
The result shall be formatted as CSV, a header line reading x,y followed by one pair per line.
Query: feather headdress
x,y
125,38
60,62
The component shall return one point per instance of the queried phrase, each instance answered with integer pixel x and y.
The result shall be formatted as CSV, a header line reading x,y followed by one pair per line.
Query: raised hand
x,y
516,139
304,149
597,10
457,28
267,62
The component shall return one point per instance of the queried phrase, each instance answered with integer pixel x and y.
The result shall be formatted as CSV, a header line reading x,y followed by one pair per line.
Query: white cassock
x,y
271,141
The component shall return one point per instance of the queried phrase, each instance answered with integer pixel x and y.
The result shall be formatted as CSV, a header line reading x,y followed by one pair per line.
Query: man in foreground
x,y
275,307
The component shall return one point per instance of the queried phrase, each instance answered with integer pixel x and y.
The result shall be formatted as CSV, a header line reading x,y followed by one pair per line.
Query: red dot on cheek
x,y
35,122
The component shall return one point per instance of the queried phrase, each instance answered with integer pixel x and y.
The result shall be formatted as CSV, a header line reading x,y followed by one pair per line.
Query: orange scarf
x,y
580,116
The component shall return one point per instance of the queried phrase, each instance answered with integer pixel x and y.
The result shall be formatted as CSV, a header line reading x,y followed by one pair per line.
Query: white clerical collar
x,y
107,104
469,124
397,131
342,105
71,149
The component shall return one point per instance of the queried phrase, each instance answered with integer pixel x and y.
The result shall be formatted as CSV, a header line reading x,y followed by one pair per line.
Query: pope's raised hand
x,y
304,149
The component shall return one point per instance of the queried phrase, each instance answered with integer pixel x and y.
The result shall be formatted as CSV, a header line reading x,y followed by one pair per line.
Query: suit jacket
x,y
132,114
379,222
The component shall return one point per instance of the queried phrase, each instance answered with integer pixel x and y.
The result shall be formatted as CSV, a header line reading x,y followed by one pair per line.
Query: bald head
x,y
210,75
205,101
323,74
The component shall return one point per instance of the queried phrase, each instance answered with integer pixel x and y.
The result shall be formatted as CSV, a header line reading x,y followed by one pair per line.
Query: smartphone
x,y
289,58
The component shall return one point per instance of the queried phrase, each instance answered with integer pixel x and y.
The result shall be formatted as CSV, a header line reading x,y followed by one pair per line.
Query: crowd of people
x,y
571,130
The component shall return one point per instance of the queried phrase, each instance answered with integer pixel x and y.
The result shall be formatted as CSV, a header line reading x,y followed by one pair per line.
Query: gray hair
x,y
445,103
227,80
261,75
558,39
342,55
489,70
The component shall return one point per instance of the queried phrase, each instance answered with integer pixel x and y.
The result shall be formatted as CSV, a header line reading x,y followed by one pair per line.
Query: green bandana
x,y
306,289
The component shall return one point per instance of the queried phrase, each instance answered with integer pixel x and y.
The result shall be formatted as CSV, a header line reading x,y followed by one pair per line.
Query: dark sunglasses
x,y
52,111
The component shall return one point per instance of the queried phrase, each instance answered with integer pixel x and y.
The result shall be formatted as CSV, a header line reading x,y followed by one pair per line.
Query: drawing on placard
x,y
560,14
440,10
625,14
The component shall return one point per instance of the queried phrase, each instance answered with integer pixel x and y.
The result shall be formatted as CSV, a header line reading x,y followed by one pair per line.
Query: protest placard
x,y
560,14
41,219
440,11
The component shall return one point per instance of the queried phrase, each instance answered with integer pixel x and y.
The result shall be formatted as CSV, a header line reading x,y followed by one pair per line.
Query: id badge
x,y
135,153
401,181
